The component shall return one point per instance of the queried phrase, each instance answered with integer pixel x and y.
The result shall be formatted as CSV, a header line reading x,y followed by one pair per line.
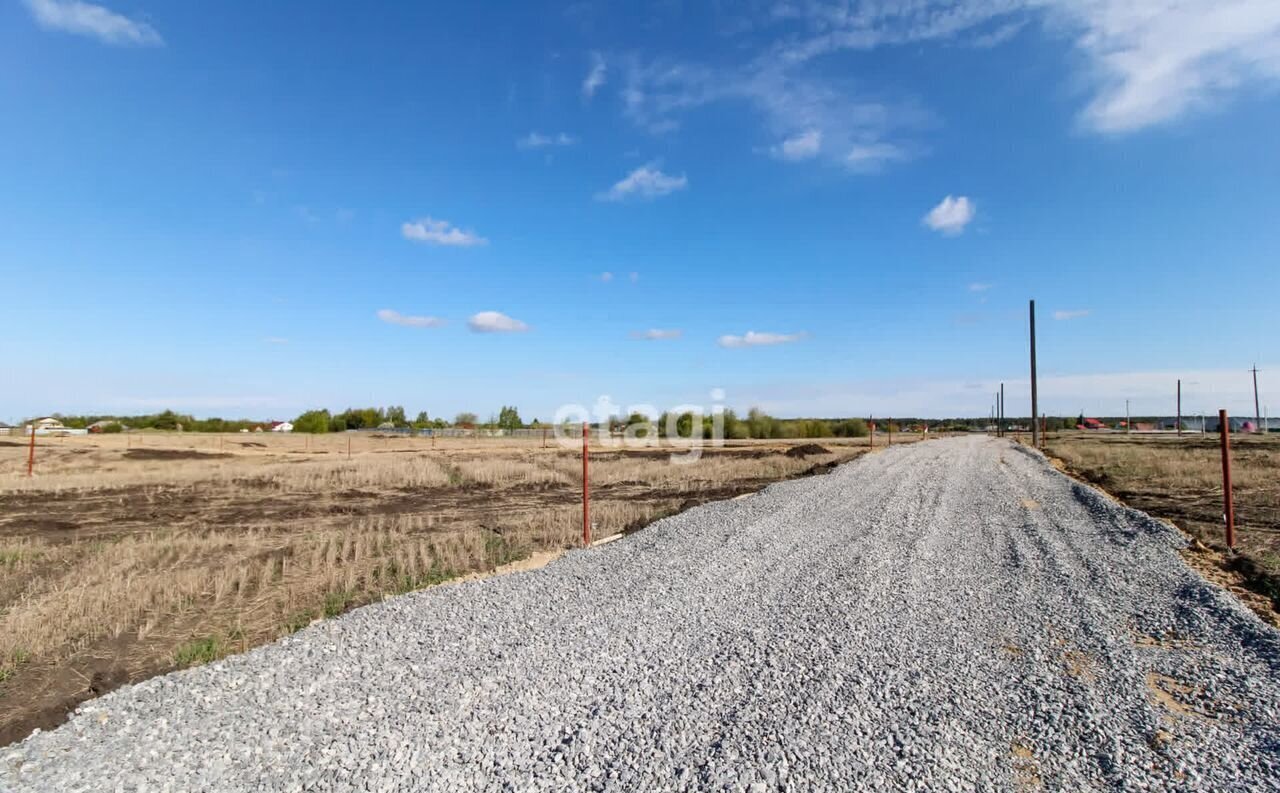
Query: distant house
x,y
48,424
5,429
387,425
1092,424
282,426
101,426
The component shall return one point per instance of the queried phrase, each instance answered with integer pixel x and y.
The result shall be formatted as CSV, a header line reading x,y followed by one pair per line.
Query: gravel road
x,y
950,615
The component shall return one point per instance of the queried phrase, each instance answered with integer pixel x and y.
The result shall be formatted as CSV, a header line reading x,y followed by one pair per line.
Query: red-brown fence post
x,y
586,498
31,453
1229,510
888,425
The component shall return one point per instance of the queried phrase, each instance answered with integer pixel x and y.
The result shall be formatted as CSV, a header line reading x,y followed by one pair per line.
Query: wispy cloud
x,y
1157,61
810,115
657,334
1071,314
753,339
647,181
873,157
275,340
596,76
87,19
951,215
537,140
979,287
495,322
801,146
634,277
606,277
440,232
1149,63
392,317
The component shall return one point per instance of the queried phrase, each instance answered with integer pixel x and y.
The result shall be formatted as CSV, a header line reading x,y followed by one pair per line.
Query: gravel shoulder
x,y
947,615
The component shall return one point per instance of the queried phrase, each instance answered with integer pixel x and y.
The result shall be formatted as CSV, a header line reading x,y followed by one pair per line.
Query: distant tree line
x,y
166,420
756,424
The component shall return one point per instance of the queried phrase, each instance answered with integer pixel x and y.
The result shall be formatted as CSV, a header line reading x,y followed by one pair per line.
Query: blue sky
x,y
820,208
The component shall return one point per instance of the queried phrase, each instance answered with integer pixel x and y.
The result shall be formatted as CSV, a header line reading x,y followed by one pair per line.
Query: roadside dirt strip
x,y
951,615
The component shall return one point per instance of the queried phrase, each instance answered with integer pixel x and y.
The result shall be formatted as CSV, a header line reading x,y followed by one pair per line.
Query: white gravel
x,y
951,615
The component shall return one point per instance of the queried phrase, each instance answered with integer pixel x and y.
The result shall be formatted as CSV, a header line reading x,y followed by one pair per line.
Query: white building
x,y
282,426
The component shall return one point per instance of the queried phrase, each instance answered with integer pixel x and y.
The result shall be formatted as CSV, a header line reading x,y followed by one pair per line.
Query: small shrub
x,y
335,603
299,621
199,651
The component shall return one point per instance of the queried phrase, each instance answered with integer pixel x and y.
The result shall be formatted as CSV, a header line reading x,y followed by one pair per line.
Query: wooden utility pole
x,y
1257,414
1000,425
1178,421
1035,403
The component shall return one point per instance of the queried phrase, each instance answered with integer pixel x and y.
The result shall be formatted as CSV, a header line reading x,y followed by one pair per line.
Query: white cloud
x,y
951,215
872,157
634,277
647,181
810,115
396,318
495,322
606,277
802,146
275,340
1149,62
596,76
87,19
536,140
753,339
440,232
1073,314
1161,59
657,334
979,287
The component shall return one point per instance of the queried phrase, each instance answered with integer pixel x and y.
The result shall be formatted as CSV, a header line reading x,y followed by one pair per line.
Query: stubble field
x,y
128,556
1179,479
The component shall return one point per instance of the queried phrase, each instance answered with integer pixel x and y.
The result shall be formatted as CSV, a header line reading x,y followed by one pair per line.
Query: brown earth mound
x,y
807,450
170,454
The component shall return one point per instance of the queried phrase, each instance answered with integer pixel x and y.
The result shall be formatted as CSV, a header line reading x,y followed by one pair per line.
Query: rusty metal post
x,y
872,425
888,427
31,453
348,446
586,496
1229,510
1035,404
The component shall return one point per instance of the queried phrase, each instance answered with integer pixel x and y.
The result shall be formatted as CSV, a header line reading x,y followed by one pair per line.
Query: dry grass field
x,y
1180,480
127,556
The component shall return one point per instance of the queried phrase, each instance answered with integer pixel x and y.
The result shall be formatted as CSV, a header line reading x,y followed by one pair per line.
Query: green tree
x,y
313,421
852,428
465,420
395,415
509,418
422,421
